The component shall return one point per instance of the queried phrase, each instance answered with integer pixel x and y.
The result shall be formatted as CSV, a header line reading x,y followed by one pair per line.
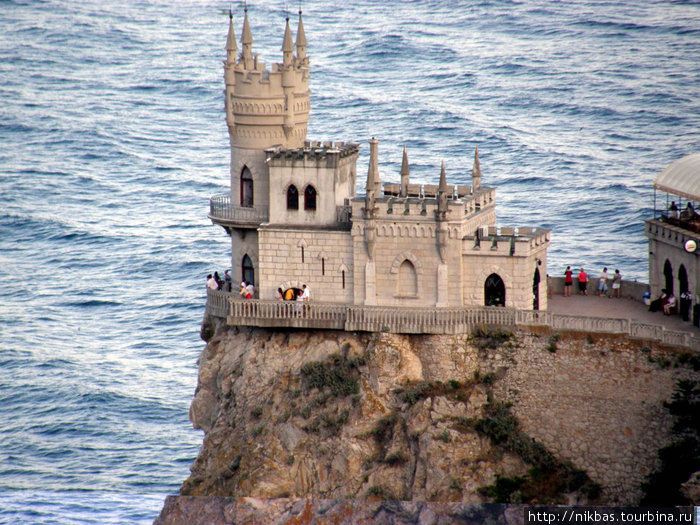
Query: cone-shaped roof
x,y
404,163
287,44
247,36
476,170
442,188
301,35
231,38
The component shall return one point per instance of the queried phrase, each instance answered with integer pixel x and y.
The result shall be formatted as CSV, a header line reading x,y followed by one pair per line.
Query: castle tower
x,y
264,109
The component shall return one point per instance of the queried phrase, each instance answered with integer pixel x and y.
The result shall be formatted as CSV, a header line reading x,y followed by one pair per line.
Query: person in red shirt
x,y
582,282
568,281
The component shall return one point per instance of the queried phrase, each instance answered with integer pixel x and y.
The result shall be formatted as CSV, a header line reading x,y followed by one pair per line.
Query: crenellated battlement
x,y
521,242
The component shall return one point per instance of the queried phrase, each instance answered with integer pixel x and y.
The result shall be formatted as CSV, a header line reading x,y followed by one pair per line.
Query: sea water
x,y
112,139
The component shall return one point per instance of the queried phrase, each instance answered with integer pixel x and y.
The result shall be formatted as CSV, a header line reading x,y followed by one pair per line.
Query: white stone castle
x,y
294,219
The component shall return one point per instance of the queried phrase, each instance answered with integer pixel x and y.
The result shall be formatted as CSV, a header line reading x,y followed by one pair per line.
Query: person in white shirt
x,y
603,282
305,294
211,283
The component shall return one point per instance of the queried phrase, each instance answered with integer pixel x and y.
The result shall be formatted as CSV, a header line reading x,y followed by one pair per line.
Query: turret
x,y
301,42
442,194
372,193
405,174
230,71
476,171
287,46
373,186
247,41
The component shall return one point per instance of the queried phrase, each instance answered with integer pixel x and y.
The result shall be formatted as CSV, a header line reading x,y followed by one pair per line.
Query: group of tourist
x,y
292,294
604,280
215,282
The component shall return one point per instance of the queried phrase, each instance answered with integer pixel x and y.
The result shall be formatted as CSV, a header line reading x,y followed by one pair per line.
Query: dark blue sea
x,y
112,139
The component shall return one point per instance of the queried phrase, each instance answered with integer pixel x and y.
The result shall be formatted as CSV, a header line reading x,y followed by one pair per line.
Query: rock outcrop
x,y
338,415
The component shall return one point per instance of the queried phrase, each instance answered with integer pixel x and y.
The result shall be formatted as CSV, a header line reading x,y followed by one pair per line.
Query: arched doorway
x,y
668,274
494,291
536,290
247,270
682,280
246,188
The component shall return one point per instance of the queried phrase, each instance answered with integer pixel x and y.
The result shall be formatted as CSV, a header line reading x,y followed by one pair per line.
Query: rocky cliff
x,y
493,416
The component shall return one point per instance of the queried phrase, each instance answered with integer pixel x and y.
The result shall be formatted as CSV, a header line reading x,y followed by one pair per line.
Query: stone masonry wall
x,y
327,254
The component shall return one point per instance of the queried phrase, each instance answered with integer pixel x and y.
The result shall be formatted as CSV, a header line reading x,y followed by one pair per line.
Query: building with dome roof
x,y
294,217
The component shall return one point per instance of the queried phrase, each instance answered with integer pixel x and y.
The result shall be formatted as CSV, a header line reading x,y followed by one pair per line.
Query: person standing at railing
x,y
673,210
279,295
227,281
616,285
211,283
603,283
305,297
568,281
582,282
219,281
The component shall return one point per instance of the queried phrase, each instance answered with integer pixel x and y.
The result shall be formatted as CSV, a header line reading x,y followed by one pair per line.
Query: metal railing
x,y
293,314
221,209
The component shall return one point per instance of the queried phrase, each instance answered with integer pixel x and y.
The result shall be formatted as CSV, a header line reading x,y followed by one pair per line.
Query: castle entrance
x,y
494,291
294,293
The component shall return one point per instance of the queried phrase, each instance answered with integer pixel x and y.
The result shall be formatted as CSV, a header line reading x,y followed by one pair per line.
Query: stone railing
x,y
292,314
222,211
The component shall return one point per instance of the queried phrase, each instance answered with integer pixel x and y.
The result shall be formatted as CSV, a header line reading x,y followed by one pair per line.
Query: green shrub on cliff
x,y
336,373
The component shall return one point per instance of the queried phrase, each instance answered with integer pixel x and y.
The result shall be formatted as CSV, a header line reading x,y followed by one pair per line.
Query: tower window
x,y
246,188
247,270
323,266
292,198
343,279
310,198
302,254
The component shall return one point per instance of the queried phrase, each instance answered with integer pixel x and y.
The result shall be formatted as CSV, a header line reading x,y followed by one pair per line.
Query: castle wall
x,y
666,242
327,255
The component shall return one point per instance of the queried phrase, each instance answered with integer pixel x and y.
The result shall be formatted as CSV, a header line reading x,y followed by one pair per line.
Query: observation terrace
x,y
592,314
223,213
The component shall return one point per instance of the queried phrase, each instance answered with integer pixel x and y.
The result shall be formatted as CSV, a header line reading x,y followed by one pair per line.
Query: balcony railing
x,y
222,212
293,314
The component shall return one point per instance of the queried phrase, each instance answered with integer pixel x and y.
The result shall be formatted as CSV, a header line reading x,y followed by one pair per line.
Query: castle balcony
x,y
223,213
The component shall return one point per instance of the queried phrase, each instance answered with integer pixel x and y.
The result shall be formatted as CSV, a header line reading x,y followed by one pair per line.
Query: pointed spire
x,y
247,41
301,39
231,38
442,187
287,44
476,171
247,36
405,173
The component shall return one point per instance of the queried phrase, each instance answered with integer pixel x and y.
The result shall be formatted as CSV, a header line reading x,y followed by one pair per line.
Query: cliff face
x,y
341,415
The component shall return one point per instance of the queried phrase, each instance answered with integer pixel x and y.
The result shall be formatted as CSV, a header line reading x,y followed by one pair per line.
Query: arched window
x,y
682,279
292,198
408,279
310,198
494,291
246,188
247,270
668,274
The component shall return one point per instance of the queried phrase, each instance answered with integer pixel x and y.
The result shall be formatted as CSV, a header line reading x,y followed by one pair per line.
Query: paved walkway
x,y
594,306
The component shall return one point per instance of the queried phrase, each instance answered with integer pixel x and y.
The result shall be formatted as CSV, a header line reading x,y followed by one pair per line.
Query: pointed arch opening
x,y
248,270
407,282
668,277
292,198
246,188
494,291
310,198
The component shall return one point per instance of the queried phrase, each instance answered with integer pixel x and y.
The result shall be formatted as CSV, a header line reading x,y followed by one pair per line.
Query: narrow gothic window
x,y
323,266
246,188
408,279
310,198
292,198
343,279
302,254
247,270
